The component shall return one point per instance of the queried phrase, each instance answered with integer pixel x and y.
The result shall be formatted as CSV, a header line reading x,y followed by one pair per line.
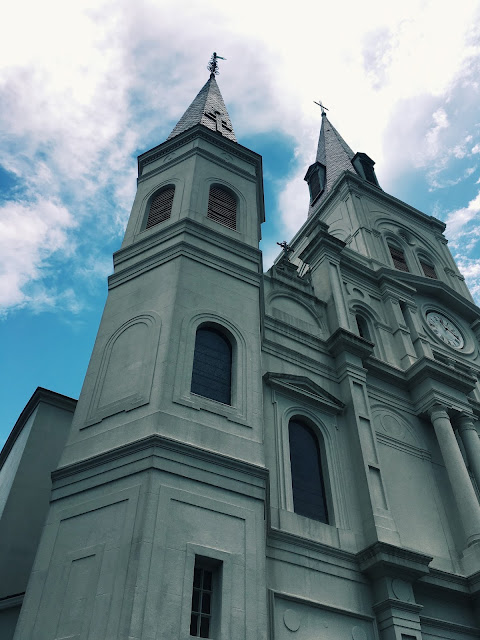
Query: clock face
x,y
445,329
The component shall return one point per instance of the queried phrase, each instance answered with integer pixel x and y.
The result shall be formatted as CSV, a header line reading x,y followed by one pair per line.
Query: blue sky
x,y
87,86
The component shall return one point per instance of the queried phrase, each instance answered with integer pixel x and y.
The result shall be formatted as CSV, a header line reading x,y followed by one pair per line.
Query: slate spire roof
x,y
333,152
209,109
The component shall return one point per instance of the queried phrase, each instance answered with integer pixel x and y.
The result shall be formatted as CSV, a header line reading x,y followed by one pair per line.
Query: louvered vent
x,y
428,270
398,258
315,188
161,207
222,207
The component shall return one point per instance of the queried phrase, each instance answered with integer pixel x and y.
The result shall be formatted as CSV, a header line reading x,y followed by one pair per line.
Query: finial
x,y
322,108
213,64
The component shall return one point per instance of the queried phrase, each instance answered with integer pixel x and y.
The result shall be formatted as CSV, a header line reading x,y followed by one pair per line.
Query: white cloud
x,y
30,233
94,82
458,221
476,148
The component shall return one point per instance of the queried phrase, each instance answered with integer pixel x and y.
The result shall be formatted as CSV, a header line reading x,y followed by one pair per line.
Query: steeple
x,y
209,109
334,157
333,152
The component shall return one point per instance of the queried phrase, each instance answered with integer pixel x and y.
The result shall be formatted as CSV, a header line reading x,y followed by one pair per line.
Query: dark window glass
x,y
222,207
160,206
398,258
307,479
363,330
428,270
200,618
212,366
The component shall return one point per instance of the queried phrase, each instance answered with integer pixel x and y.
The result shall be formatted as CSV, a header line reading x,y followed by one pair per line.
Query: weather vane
x,y
321,107
213,64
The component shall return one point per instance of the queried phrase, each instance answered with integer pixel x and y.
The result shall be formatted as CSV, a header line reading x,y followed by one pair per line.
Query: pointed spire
x,y
208,108
333,152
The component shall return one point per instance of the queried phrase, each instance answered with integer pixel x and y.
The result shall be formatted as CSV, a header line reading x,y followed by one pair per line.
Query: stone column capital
x,y
438,411
466,422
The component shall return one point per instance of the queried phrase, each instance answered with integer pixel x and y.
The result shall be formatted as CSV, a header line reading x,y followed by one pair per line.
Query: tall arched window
x,y
160,206
212,365
398,257
307,479
363,328
428,269
222,207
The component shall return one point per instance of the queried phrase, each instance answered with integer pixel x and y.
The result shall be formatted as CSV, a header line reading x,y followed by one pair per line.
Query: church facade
x,y
284,455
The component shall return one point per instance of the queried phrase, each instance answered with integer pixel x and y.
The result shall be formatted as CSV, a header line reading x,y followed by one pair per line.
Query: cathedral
x,y
289,455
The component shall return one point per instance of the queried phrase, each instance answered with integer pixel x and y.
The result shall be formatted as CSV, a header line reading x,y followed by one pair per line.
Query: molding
x,y
429,369
296,540
382,559
444,581
391,603
160,234
158,442
304,388
195,132
12,601
39,395
403,446
286,329
320,605
450,626
294,357
184,248
342,340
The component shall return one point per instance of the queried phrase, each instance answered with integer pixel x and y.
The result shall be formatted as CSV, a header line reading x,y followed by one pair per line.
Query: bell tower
x,y
159,495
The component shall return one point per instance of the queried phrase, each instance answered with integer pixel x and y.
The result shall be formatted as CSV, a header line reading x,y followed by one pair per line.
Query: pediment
x,y
435,289
301,386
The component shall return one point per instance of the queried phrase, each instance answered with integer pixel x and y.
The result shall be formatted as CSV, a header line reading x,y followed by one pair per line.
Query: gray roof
x,y
334,153
208,109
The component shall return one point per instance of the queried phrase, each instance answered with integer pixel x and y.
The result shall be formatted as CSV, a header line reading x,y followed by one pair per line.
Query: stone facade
x,y
379,363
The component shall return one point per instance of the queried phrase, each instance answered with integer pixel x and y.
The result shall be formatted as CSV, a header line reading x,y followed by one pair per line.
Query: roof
x,y
334,153
208,109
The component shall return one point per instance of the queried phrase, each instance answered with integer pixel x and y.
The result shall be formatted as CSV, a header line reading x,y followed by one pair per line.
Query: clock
x,y
445,329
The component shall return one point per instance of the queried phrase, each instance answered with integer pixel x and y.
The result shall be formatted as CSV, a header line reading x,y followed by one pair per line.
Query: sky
x,y
86,86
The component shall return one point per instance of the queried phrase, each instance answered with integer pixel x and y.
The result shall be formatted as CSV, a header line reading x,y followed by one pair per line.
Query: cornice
x,y
342,340
435,288
301,386
39,395
156,441
428,369
195,132
12,601
391,603
305,543
451,626
382,559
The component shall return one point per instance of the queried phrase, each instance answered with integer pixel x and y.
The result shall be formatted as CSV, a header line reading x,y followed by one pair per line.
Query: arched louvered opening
x,y
212,365
398,257
428,269
363,328
308,485
160,206
222,207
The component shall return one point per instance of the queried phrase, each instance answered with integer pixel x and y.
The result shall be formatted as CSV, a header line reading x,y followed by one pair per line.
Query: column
x,y
471,443
462,487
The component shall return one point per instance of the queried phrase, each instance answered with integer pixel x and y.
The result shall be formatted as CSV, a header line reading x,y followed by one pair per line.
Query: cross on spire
x,y
321,107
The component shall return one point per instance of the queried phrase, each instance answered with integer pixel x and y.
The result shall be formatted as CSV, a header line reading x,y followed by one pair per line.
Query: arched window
x,y
428,269
222,207
212,365
398,257
307,479
363,329
160,206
